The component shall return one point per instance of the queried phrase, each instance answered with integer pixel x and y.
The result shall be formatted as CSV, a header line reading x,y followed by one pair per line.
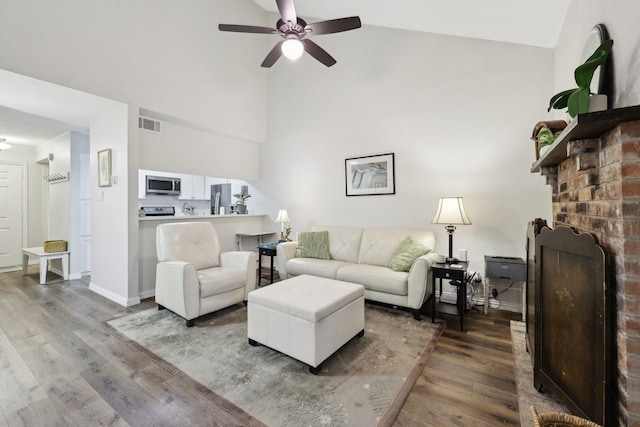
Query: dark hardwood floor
x,y
60,366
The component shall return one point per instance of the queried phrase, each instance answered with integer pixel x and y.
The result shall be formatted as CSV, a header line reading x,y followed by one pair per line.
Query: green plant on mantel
x,y
576,100
546,137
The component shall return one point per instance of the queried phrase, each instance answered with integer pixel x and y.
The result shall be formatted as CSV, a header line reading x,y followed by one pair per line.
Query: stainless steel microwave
x,y
163,185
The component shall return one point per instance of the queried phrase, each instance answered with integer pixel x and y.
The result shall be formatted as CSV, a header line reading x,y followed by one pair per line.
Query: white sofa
x,y
361,255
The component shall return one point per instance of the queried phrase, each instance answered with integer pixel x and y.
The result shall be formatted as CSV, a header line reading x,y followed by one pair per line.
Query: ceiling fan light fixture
x,y
292,48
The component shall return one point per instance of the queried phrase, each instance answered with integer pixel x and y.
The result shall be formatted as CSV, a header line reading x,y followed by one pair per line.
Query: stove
x,y
158,211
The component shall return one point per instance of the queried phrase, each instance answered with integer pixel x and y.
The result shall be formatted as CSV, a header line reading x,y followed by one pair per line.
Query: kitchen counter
x,y
194,217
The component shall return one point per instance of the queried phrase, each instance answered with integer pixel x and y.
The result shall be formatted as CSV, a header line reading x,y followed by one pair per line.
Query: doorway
x,y
12,213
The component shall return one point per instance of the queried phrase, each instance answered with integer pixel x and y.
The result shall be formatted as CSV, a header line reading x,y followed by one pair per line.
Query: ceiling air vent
x,y
149,124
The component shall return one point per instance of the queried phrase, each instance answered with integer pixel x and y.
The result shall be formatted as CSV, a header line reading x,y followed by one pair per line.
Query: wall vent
x,y
149,124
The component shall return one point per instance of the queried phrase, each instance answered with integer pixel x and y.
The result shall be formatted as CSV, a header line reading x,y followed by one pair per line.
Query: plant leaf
x,y
584,73
578,102
559,100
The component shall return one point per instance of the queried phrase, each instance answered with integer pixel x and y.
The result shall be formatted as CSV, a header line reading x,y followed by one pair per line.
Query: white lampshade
x,y
292,48
451,211
282,216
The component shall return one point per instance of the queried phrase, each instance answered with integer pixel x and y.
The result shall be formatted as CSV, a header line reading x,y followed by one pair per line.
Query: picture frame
x,y
370,175
104,168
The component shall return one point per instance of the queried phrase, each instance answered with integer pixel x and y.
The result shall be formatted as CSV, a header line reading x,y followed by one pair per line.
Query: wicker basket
x,y
557,419
55,245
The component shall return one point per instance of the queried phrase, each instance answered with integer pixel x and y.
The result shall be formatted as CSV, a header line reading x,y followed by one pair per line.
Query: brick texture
x,y
597,190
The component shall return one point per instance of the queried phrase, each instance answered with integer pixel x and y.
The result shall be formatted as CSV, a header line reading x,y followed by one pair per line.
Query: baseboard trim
x,y
125,302
148,294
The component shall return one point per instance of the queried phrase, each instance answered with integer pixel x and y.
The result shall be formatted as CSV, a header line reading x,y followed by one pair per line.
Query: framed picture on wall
x,y
104,168
370,175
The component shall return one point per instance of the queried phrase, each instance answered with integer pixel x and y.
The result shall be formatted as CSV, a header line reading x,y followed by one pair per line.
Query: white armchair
x,y
192,277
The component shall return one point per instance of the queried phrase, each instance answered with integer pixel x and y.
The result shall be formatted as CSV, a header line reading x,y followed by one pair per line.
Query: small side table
x,y
258,234
267,249
449,271
44,261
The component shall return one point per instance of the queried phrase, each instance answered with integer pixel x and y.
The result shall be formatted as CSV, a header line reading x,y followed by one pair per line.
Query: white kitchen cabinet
x,y
192,187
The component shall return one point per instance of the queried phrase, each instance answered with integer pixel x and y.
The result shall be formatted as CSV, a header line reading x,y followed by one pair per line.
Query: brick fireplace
x,y
596,189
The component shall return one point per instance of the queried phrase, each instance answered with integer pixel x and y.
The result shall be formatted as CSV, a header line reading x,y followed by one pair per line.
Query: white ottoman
x,y
308,318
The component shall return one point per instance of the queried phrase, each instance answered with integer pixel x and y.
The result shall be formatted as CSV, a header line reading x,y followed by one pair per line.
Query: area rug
x,y
365,383
527,394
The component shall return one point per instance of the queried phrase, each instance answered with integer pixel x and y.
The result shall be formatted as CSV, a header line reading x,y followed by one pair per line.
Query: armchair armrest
x,y
284,252
420,280
245,261
177,288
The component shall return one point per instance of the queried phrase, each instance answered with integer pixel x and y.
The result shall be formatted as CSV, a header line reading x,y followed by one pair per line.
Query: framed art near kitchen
x,y
371,175
104,168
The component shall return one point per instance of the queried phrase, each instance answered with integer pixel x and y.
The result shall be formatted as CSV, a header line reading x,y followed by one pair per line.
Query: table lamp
x,y
451,211
283,218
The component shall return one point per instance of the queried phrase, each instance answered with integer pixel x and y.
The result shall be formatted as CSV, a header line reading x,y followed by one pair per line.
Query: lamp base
x,y
452,259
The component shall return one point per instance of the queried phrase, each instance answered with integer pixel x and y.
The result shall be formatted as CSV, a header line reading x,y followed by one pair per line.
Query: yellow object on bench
x,y
55,245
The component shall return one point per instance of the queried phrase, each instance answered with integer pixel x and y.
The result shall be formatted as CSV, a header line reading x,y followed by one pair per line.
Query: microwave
x,y
163,185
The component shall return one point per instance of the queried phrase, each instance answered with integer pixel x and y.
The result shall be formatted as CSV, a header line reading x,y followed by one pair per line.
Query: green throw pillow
x,y
408,251
313,245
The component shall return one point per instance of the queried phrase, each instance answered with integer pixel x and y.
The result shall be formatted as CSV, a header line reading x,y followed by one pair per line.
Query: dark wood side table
x,y
267,249
451,272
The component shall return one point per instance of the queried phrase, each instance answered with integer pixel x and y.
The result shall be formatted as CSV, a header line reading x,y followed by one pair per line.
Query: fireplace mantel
x,y
585,126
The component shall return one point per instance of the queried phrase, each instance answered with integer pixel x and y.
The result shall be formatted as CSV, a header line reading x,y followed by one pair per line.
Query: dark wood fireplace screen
x,y
572,354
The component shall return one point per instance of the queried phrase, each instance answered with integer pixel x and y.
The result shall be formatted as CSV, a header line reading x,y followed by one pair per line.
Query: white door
x,y
11,189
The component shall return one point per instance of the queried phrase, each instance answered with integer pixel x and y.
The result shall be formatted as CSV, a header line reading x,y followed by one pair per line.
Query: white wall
x,y
621,21
59,192
114,249
162,55
456,112
178,148
79,250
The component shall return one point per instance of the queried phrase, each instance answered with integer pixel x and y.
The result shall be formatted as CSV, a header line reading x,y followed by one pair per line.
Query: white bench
x,y
307,317
44,261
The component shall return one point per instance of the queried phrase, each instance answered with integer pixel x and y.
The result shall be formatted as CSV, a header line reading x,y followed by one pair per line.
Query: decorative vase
x,y
597,103
242,209
544,150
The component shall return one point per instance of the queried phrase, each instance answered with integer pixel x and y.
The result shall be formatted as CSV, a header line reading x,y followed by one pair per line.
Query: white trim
x,y
148,294
75,276
114,297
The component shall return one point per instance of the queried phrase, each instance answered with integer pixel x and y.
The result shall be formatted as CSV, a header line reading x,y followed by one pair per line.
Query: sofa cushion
x,y
344,242
315,267
376,278
313,245
217,280
379,244
404,256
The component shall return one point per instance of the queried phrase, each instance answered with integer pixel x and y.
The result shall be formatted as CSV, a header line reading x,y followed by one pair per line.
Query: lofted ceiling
x,y
33,111
526,22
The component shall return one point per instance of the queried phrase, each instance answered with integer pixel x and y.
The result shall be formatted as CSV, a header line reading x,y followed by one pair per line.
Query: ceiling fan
x,y
294,30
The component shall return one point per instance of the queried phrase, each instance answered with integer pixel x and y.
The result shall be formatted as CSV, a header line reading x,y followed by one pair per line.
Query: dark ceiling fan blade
x,y
247,29
334,25
287,11
318,53
273,56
